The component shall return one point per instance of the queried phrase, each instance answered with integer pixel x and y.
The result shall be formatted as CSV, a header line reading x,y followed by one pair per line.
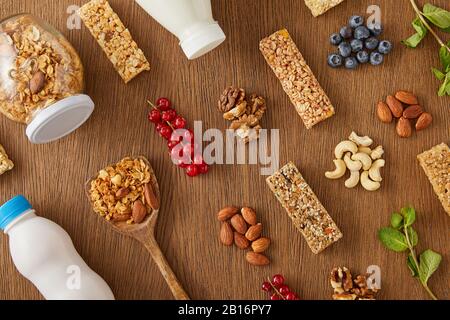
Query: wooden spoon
x,y
144,232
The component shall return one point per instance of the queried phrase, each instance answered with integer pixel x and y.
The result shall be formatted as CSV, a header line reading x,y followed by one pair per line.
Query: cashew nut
x,y
353,180
364,159
377,153
360,141
374,172
366,150
352,165
339,172
368,184
344,147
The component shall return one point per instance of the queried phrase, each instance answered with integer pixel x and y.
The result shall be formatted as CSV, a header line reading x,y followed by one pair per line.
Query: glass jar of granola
x,y
41,79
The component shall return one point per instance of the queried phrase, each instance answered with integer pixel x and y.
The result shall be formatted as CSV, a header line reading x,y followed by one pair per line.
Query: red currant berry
x,y
284,290
165,132
203,168
154,116
278,280
169,115
179,123
163,104
291,296
275,297
192,170
266,287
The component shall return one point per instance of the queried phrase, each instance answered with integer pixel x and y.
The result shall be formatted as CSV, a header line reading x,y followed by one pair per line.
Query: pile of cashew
x,y
355,155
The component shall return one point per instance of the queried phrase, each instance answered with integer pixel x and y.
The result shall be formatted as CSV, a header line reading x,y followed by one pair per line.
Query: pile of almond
x,y
242,228
405,107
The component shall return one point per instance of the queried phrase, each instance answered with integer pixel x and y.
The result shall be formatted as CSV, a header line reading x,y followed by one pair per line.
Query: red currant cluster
x,y
277,290
183,150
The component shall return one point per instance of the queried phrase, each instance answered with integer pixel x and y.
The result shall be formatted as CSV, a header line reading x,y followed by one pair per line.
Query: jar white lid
x,y
203,41
60,119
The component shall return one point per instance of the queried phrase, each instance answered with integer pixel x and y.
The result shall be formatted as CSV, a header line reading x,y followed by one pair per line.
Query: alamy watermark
x,y
73,281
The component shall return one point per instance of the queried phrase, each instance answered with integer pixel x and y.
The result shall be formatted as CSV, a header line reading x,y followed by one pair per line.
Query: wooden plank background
x,y
52,176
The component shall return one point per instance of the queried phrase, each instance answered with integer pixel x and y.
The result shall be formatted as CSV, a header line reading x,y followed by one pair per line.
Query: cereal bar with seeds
x,y
304,208
114,38
436,164
297,79
319,7
5,163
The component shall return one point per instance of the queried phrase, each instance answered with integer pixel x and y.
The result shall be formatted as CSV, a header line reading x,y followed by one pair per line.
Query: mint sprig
x,y
401,237
422,25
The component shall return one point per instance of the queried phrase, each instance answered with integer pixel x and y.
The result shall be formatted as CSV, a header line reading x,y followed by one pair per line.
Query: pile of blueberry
x,y
358,44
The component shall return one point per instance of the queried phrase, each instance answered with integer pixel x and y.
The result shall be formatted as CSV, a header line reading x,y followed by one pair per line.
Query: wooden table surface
x,y
52,176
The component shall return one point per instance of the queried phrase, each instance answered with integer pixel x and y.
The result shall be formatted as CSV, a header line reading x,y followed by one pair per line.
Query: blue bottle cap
x,y
12,209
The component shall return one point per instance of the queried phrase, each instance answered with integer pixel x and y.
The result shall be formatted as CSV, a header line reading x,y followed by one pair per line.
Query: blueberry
x,y
385,47
335,39
346,32
362,56
345,49
375,28
361,33
357,45
356,21
334,60
372,43
351,63
376,58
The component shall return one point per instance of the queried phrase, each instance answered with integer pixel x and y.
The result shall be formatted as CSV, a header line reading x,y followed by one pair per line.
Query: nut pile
x,y
348,288
355,155
277,289
41,67
405,107
5,163
244,231
124,192
245,113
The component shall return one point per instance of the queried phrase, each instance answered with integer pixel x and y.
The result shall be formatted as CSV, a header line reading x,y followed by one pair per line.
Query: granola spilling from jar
x,y
38,67
348,288
124,192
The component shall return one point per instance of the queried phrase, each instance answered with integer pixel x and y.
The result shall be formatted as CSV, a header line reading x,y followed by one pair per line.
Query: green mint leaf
x,y
446,30
415,39
396,220
444,55
412,266
438,74
393,239
445,85
409,214
437,16
412,236
429,262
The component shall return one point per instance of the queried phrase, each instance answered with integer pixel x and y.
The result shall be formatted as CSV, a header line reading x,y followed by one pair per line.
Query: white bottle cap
x,y
60,119
203,41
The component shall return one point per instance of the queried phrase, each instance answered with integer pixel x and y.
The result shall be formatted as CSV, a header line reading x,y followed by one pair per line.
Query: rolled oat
x,y
5,163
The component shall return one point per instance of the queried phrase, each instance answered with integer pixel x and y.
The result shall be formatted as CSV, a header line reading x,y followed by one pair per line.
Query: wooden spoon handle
x,y
165,269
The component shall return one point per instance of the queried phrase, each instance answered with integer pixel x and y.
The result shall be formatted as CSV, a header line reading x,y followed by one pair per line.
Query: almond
x,y
37,82
226,234
227,213
395,106
239,224
424,121
254,232
241,241
139,211
120,217
261,245
404,128
406,97
257,259
383,112
249,215
412,112
150,197
122,193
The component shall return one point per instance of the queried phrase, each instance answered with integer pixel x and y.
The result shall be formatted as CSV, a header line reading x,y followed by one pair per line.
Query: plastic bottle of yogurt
x,y
44,254
190,20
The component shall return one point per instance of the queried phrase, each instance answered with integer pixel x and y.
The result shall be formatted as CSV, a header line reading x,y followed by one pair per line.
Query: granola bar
x,y
436,164
307,213
319,7
5,163
114,38
297,79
